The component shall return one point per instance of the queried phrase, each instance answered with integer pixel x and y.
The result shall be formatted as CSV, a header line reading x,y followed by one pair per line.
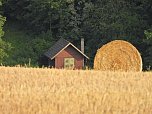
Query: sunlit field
x,y
50,91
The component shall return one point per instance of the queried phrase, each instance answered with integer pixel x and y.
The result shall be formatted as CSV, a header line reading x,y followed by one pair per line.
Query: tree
x,y
148,58
3,45
109,20
97,21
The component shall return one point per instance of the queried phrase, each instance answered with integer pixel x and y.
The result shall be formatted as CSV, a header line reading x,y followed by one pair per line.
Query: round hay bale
x,y
118,55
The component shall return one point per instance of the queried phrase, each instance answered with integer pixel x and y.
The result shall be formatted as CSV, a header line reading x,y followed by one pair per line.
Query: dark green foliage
x,y
110,20
4,46
25,47
148,51
97,21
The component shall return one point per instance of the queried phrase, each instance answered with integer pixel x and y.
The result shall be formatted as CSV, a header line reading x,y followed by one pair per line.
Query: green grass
x,y
19,40
25,45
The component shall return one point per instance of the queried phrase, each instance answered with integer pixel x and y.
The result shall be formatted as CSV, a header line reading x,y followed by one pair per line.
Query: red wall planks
x,y
69,52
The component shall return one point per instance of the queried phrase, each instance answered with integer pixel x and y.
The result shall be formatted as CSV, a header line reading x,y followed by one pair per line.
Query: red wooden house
x,y
63,54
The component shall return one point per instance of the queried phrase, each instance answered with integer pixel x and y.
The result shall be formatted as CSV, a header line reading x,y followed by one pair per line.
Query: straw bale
x,y
118,55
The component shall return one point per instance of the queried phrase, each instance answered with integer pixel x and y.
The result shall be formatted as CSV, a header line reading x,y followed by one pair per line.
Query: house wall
x,y
46,62
43,61
51,63
69,52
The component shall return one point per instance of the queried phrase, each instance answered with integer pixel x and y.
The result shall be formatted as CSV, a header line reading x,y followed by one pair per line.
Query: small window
x,y
69,63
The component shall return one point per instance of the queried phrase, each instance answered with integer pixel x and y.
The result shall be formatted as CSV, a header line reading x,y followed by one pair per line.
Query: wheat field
x,y
51,91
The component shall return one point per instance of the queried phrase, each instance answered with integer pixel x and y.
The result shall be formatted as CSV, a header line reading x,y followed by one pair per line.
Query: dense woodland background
x,y
33,26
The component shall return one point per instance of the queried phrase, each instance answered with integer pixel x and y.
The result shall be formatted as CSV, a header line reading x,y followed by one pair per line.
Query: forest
x,y
29,27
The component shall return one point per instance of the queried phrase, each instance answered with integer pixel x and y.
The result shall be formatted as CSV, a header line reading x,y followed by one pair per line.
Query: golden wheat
x,y
50,91
118,55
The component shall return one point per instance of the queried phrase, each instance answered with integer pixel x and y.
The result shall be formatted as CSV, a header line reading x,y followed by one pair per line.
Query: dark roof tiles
x,y
58,46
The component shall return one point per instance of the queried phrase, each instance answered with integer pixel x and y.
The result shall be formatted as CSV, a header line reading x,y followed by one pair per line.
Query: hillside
x,y
26,47
18,40
51,91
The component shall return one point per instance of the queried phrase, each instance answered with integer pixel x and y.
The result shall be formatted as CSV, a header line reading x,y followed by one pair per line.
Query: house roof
x,y
59,46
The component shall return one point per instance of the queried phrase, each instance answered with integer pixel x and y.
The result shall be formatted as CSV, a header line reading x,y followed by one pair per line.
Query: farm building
x,y
63,54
